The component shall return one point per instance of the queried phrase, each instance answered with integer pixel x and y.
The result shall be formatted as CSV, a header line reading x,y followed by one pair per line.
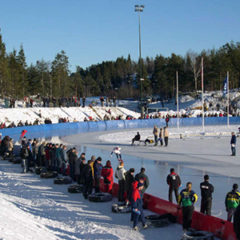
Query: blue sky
x,y
92,31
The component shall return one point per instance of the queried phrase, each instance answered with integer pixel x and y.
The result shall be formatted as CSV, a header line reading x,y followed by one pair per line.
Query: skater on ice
x,y
117,151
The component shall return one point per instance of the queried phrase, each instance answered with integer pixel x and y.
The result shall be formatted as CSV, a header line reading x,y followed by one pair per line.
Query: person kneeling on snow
x,y
137,205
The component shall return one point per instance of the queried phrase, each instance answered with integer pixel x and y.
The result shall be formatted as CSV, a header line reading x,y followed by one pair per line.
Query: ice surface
x,y
192,157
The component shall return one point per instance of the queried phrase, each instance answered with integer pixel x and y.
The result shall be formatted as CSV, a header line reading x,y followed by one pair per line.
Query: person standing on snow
x,y
107,174
232,201
117,152
187,198
206,192
128,183
120,175
97,166
137,205
233,144
174,182
88,179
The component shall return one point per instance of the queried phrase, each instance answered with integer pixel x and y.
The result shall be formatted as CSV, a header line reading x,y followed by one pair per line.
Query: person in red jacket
x,y
107,174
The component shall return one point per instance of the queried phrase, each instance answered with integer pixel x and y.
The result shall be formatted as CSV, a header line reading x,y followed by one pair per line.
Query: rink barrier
x,y
66,129
219,227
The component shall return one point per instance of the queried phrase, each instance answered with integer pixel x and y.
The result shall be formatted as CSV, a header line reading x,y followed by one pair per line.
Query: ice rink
x,y
193,156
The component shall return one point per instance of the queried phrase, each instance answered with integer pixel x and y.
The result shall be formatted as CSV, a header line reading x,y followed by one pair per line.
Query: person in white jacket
x,y
120,175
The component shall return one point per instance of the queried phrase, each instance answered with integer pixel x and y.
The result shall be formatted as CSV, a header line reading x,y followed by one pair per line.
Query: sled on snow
x,y
49,174
198,235
160,220
63,180
100,197
121,208
75,189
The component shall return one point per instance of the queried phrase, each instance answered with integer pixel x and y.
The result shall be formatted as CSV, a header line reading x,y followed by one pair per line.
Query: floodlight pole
x,y
177,99
139,9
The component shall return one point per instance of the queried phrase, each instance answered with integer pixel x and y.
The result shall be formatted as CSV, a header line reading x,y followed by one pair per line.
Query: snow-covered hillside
x,y
9,115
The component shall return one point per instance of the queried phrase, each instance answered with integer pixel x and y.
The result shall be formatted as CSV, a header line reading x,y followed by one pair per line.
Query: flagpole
x,y
177,99
203,127
228,99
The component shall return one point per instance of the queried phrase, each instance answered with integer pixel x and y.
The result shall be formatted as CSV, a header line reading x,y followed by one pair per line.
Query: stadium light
x,y
139,9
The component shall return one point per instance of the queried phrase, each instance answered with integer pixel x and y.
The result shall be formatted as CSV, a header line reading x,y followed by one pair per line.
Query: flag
x,y
23,133
225,86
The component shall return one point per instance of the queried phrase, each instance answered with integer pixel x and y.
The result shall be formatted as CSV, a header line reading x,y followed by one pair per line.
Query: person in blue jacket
x,y
137,205
233,144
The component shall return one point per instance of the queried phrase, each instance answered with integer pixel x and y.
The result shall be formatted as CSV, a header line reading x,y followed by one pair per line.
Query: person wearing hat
x,y
137,205
232,201
107,174
120,175
206,192
97,166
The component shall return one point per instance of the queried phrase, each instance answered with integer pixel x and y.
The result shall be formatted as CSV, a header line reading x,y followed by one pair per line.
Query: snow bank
x,y
9,115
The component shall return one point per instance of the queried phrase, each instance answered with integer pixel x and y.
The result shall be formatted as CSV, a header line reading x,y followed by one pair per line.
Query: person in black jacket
x,y
142,175
174,182
136,138
83,164
128,183
236,222
97,166
206,192
88,180
233,144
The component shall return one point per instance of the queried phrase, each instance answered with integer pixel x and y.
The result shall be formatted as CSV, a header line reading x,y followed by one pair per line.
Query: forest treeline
x,y
120,77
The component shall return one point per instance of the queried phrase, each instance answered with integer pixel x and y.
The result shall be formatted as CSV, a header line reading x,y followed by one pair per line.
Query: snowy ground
x,y
34,208
192,157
